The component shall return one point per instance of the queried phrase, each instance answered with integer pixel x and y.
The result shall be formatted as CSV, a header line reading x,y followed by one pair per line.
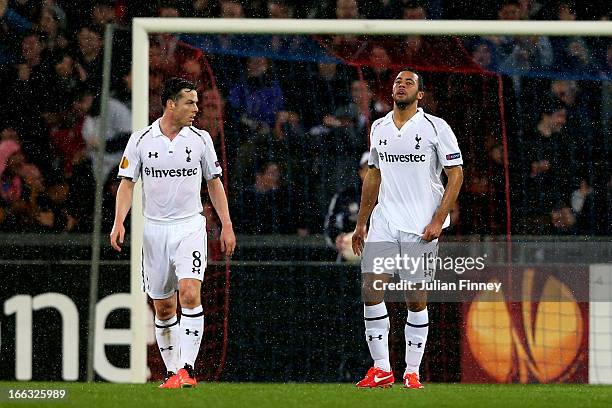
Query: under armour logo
x,y
153,154
382,142
379,337
194,332
419,345
188,152
417,139
195,270
167,348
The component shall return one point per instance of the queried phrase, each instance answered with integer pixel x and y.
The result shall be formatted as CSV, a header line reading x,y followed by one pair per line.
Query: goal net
x,y
294,100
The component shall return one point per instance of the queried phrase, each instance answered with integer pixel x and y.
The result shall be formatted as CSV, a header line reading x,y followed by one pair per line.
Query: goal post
x,y
142,27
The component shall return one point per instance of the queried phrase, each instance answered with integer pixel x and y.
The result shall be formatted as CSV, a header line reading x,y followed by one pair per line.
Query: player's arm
x,y
123,203
451,192
369,194
219,201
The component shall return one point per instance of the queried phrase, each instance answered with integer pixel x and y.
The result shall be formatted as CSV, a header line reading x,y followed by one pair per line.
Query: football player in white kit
x,y
408,151
172,157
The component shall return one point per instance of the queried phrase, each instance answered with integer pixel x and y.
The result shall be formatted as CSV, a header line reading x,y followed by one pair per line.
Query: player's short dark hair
x,y
173,87
421,84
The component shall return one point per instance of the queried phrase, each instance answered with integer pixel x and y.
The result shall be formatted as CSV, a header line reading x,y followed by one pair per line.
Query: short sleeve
x,y
373,159
447,147
211,167
131,163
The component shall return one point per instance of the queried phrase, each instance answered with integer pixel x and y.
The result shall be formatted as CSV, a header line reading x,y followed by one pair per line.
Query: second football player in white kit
x,y
409,149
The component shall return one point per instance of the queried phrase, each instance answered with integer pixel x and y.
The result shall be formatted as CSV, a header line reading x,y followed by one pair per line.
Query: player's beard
x,y
402,105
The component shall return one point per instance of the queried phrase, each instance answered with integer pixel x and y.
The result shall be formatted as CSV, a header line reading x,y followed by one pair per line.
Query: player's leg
x,y
190,263
421,256
379,247
376,319
415,332
192,320
160,283
168,338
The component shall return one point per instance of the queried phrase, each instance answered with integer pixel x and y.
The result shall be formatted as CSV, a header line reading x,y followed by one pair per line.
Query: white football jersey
x,y
171,171
411,160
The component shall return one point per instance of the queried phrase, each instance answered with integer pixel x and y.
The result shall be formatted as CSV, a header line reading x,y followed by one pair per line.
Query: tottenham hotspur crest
x,y
417,139
188,153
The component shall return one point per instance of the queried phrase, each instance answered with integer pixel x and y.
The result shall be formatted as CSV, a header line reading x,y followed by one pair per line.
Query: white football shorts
x,y
172,251
391,251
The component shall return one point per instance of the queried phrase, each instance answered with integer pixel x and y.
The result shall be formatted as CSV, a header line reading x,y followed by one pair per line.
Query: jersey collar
x,y
156,130
389,117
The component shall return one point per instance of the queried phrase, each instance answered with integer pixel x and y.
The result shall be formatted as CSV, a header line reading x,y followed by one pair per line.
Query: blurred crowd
x,y
294,133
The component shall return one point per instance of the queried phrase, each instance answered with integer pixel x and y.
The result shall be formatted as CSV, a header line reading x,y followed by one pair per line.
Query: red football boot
x,y
171,381
377,378
186,377
411,380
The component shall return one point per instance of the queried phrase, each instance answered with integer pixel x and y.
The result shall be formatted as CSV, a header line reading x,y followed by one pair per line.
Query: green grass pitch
x,y
246,395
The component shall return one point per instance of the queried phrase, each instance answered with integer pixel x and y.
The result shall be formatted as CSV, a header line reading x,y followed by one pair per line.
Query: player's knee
x,y
165,309
190,298
370,295
417,306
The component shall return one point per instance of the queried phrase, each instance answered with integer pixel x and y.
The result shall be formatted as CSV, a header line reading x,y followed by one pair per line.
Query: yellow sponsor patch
x,y
124,163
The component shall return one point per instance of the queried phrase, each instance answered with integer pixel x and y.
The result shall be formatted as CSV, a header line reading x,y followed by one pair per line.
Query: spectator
x,y
27,79
485,54
11,23
103,13
51,30
328,90
232,9
89,56
67,136
579,124
583,206
344,138
380,77
528,53
413,11
509,10
342,212
20,183
266,204
279,9
563,221
52,214
118,130
258,97
205,9
548,157
571,53
66,77
347,9
529,9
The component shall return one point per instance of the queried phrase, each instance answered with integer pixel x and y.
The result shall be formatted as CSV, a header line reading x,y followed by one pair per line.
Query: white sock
x,y
167,335
192,330
377,334
417,327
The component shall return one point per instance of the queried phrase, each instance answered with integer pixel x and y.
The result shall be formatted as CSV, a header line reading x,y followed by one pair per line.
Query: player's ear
x,y
420,95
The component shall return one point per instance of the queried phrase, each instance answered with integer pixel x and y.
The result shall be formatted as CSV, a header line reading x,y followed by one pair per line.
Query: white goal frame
x,y
142,27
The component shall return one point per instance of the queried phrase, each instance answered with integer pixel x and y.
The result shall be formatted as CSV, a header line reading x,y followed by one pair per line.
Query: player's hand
x,y
432,231
117,234
228,241
359,237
